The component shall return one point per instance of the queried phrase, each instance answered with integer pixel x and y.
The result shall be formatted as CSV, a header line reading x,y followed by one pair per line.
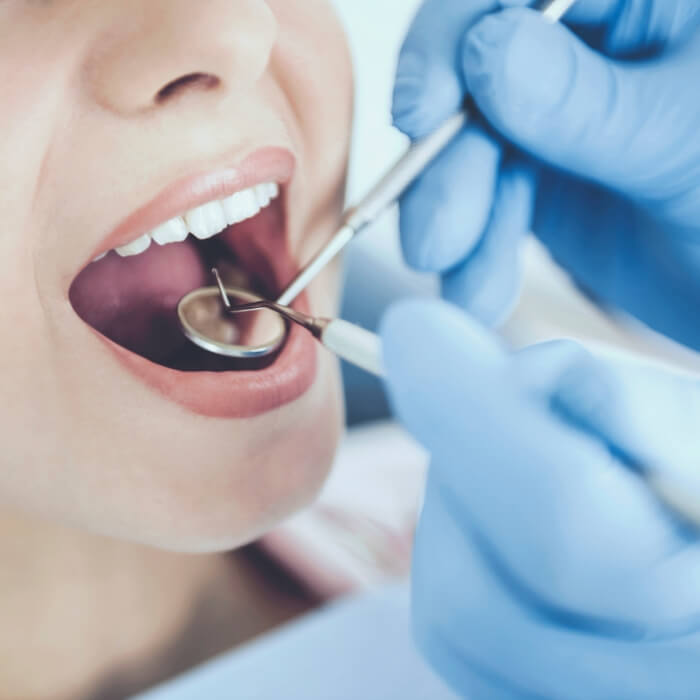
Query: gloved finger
x,y
471,620
608,245
429,84
618,396
644,26
444,213
621,125
631,26
635,391
570,522
487,283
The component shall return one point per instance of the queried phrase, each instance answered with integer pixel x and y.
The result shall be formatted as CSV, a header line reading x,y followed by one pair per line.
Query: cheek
x,y
312,60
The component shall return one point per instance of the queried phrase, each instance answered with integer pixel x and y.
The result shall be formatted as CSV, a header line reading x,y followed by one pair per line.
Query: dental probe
x,y
354,344
396,181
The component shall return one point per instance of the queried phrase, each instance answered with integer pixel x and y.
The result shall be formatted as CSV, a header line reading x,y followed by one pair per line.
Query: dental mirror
x,y
206,322
206,316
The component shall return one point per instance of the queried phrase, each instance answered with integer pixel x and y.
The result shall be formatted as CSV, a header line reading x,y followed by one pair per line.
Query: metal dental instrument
x,y
205,323
388,190
200,312
354,344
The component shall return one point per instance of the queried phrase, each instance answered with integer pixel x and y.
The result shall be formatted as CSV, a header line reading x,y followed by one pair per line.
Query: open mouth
x,y
129,294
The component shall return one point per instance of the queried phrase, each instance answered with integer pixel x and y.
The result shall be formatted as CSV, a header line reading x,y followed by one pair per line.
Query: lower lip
x,y
236,394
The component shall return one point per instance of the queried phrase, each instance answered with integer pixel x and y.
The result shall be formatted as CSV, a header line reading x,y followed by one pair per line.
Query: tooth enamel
x,y
173,231
261,193
135,247
241,206
99,257
206,221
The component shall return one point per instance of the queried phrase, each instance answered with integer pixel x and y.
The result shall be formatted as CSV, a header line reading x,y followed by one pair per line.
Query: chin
x,y
251,475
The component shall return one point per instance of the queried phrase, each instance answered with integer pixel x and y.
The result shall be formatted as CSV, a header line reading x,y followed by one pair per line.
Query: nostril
x,y
201,81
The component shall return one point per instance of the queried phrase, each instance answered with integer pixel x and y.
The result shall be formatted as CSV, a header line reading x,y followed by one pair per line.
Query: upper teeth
x,y
205,221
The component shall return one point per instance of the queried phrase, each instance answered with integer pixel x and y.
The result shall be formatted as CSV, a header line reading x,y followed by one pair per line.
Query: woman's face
x,y
122,118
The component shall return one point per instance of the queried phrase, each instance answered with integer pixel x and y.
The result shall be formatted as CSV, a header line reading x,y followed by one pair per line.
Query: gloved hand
x,y
544,565
604,114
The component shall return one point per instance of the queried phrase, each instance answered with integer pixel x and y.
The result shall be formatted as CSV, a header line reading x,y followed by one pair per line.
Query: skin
x,y
86,445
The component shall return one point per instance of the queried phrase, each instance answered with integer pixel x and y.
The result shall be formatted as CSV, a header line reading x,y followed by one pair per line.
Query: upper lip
x,y
271,164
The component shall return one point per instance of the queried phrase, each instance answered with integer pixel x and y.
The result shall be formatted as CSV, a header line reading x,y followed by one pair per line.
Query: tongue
x,y
133,301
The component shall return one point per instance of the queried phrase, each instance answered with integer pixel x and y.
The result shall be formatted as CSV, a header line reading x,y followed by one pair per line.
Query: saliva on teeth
x,y
205,221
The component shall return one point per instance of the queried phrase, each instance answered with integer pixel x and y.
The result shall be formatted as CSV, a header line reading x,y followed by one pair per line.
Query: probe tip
x,y
222,290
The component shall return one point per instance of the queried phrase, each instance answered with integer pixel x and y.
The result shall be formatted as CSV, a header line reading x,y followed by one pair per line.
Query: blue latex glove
x,y
606,168
544,565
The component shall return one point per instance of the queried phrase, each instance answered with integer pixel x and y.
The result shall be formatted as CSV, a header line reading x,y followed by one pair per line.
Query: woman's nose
x,y
157,51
